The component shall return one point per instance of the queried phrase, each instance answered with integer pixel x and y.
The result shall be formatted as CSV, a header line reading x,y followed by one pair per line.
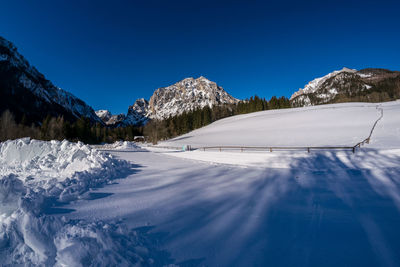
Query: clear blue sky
x,y
111,52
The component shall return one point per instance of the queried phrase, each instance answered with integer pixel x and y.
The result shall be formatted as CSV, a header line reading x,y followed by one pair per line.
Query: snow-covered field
x,y
155,207
327,125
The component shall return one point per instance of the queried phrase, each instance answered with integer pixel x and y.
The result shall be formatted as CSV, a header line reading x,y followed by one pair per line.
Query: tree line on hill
x,y
57,128
171,127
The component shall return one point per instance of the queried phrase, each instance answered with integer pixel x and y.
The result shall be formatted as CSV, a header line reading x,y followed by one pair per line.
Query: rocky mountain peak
x,y
103,114
186,95
109,119
183,96
138,113
367,85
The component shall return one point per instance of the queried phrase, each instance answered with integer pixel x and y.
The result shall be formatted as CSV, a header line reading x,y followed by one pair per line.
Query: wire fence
x,y
275,148
305,148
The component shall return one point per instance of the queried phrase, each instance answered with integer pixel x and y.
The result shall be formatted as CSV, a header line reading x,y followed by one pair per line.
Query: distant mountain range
x,y
349,85
183,96
27,93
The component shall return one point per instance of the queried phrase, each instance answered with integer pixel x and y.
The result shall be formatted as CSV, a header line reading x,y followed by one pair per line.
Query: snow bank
x,y
121,145
59,168
36,175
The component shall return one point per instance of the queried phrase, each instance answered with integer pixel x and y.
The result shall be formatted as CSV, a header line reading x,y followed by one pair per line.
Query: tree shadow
x,y
52,206
327,209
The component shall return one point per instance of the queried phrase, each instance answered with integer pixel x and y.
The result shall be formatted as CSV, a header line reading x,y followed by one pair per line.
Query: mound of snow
x,y
36,175
47,164
122,145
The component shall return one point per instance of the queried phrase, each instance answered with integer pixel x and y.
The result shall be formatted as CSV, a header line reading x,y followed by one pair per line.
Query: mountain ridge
x,y
27,93
346,85
183,96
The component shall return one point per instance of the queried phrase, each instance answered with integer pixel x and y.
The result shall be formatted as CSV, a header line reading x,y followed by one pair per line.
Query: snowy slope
x,y
326,125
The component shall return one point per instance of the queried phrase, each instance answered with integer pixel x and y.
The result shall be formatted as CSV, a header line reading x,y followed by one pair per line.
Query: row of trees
x,y
59,129
173,126
83,130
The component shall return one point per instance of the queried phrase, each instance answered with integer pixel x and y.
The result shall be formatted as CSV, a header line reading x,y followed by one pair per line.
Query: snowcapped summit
x,y
186,95
138,113
367,85
315,84
108,118
25,91
103,114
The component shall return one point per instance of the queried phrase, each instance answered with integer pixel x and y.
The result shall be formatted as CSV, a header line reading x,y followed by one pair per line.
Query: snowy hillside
x,y
326,125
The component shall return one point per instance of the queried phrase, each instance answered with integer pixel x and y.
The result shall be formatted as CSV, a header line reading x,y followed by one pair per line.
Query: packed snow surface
x,y
320,209
285,208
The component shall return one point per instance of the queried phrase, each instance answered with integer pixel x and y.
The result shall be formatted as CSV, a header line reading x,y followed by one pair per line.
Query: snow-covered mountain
x,y
186,95
25,91
138,113
367,85
108,118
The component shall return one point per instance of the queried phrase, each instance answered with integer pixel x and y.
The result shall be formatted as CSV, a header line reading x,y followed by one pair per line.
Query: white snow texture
x,y
35,178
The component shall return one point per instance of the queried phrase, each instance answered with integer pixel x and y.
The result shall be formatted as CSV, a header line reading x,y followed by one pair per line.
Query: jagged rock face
x,y
110,119
367,85
103,114
25,91
116,119
186,95
138,113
